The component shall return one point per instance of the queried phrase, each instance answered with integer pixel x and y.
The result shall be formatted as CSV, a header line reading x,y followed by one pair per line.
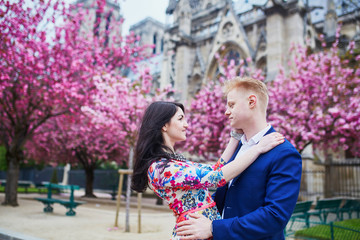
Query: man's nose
x,y
227,112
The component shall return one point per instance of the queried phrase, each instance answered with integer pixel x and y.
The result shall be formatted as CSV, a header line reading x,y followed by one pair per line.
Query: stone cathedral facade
x,y
259,32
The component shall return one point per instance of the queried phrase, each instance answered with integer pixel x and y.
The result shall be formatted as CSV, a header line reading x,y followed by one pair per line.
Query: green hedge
x,y
3,165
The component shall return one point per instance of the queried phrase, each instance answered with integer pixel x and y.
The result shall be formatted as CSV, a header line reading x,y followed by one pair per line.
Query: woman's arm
x,y
240,163
230,149
186,175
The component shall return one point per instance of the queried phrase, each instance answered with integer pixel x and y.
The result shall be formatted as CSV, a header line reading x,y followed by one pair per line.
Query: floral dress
x,y
184,185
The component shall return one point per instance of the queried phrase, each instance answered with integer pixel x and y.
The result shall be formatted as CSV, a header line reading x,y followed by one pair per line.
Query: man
x,y
258,203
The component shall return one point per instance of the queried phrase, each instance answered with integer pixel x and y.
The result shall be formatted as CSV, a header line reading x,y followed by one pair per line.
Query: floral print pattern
x,y
184,185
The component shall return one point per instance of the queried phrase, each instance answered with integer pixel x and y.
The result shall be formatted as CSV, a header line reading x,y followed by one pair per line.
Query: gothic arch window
x,y
162,45
107,27
194,85
154,42
141,37
261,64
308,35
231,52
234,55
343,43
97,22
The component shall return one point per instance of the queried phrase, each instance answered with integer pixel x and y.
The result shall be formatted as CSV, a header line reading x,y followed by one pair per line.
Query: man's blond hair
x,y
249,84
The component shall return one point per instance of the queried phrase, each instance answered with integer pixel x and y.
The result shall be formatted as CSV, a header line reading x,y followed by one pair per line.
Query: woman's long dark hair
x,y
150,144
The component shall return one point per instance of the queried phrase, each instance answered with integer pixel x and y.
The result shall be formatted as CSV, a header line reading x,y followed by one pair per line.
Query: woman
x,y
184,184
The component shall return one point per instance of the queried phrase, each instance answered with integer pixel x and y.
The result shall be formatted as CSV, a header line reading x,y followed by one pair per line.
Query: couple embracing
x,y
257,177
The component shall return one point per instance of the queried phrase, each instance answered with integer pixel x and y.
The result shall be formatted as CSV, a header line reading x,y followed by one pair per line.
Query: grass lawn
x,y
29,190
344,230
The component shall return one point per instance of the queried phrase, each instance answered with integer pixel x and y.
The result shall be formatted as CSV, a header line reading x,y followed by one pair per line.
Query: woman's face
x,y
175,130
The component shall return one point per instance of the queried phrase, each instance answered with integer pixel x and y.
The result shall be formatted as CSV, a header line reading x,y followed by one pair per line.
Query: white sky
x,y
136,10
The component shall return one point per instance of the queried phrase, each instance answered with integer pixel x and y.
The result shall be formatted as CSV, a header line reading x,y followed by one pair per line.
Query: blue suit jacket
x,y
261,199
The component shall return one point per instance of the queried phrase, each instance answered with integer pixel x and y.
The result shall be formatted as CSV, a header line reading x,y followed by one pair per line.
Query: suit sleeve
x,y
282,189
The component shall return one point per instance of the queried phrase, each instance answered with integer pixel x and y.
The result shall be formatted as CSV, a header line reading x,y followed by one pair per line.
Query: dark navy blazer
x,y
261,199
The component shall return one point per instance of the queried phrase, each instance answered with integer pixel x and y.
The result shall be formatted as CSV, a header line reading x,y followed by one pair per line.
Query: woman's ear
x,y
164,128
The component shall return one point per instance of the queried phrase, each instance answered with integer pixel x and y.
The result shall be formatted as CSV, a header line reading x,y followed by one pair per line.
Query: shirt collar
x,y
256,138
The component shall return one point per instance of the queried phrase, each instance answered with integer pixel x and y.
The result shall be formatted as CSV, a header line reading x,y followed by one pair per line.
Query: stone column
x,y
275,30
183,56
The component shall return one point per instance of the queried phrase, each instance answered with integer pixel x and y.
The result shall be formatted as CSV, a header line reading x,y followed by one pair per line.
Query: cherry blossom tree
x,y
209,130
317,102
41,79
77,140
104,130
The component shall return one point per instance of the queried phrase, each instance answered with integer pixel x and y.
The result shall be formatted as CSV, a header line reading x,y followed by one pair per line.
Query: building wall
x,y
151,32
109,19
265,33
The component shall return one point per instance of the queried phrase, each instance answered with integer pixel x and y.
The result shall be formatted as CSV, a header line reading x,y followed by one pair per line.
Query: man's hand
x,y
198,227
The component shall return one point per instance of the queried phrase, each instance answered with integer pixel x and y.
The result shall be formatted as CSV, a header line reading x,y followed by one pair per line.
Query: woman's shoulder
x,y
160,162
167,162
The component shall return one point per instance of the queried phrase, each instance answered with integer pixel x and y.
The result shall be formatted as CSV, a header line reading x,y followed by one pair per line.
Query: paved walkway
x,y
94,220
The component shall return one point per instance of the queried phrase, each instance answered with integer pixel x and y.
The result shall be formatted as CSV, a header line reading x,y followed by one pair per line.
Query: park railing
x,y
330,179
329,231
324,219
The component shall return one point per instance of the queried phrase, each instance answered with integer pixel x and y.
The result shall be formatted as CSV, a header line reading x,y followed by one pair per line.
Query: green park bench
x,y
41,187
69,204
325,206
350,206
21,183
301,211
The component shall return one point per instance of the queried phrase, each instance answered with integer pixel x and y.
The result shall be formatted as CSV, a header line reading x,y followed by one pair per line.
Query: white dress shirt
x,y
248,144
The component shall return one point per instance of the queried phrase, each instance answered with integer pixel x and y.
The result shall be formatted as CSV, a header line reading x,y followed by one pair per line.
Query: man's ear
x,y
252,101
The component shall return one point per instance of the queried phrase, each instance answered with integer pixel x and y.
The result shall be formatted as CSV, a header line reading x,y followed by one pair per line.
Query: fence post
x,y
328,180
332,230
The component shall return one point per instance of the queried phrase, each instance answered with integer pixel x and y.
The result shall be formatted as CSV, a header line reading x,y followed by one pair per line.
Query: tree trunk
x,y
13,158
89,172
128,192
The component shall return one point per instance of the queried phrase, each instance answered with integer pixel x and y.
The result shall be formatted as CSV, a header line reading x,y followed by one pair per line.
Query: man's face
x,y
237,108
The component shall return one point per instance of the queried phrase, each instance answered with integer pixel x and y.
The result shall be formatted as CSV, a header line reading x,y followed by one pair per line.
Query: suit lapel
x,y
237,150
235,153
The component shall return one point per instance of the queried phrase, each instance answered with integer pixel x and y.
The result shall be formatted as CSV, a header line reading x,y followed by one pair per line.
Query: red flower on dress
x,y
222,183
217,165
167,174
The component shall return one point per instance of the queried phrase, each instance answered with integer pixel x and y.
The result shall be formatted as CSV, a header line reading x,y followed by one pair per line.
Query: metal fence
x,y
334,179
329,231
103,179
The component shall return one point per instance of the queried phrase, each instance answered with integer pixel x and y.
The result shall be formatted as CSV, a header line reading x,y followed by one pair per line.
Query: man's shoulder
x,y
285,149
287,145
